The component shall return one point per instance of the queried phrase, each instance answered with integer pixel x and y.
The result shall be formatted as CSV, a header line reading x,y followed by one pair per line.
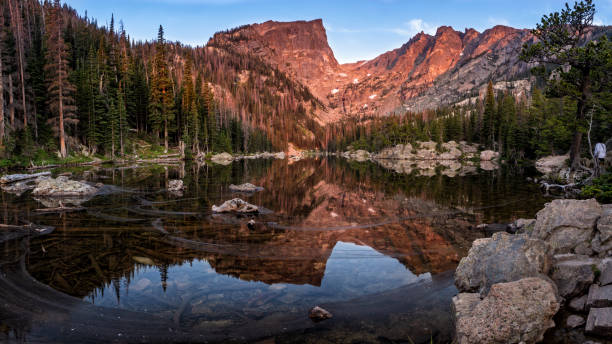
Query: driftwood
x,y
160,160
12,178
61,209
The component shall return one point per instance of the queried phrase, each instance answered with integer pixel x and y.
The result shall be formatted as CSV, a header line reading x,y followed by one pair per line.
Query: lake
x,y
374,247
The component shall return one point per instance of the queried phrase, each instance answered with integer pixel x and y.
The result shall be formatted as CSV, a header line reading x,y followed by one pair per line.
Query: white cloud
x,y
598,21
498,21
413,27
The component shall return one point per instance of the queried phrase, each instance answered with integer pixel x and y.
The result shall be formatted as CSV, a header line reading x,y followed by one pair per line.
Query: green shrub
x,y
600,189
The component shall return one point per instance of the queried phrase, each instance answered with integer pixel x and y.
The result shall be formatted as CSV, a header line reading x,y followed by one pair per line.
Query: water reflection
x,y
354,237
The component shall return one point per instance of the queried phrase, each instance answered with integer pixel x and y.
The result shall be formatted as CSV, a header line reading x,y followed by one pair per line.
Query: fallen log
x,y
12,178
59,209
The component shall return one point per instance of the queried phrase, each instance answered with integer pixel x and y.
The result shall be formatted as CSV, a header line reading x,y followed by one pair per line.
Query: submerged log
x,y
11,178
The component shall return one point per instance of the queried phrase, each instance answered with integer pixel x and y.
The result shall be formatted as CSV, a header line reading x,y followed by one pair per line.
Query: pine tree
x,y
488,135
580,68
161,106
60,89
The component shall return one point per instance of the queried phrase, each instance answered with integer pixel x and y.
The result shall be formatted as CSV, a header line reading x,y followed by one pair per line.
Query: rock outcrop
x,y
580,279
513,312
568,225
502,258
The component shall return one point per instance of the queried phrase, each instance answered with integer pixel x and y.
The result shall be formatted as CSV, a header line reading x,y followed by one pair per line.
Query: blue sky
x,y
356,29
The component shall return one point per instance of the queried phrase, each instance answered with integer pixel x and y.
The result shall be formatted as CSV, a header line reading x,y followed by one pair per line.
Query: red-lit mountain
x,y
426,72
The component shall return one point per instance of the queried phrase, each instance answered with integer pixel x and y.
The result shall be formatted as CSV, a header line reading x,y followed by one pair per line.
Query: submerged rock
x,y
62,187
235,205
501,258
514,312
319,314
246,187
176,185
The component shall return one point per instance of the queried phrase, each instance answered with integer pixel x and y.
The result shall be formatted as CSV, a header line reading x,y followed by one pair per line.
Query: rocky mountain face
x,y
426,72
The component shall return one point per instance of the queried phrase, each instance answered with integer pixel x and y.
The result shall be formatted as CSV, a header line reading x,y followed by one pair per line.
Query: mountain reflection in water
x,y
374,247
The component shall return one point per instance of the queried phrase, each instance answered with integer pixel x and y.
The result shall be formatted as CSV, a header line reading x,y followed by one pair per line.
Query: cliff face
x,y
426,72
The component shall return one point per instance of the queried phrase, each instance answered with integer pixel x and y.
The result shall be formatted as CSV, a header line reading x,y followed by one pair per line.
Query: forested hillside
x,y
69,85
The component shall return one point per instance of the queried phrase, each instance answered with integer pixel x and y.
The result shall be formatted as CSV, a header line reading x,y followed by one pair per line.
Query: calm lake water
x,y
374,247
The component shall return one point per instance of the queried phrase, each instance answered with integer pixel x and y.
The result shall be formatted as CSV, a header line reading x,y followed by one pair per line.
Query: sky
x,y
356,29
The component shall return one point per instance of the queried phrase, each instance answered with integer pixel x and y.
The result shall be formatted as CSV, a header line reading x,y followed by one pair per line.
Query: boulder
x,y
452,154
602,242
513,312
522,226
397,152
246,187
235,205
429,145
319,314
550,165
502,258
222,159
605,268
599,296
577,304
467,148
463,304
573,277
488,155
574,321
566,224
599,322
488,165
426,154
62,187
175,185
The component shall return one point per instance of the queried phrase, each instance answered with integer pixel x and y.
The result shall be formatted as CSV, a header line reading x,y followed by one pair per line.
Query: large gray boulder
x,y
62,187
502,258
599,322
574,276
599,296
568,225
605,267
602,241
514,312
